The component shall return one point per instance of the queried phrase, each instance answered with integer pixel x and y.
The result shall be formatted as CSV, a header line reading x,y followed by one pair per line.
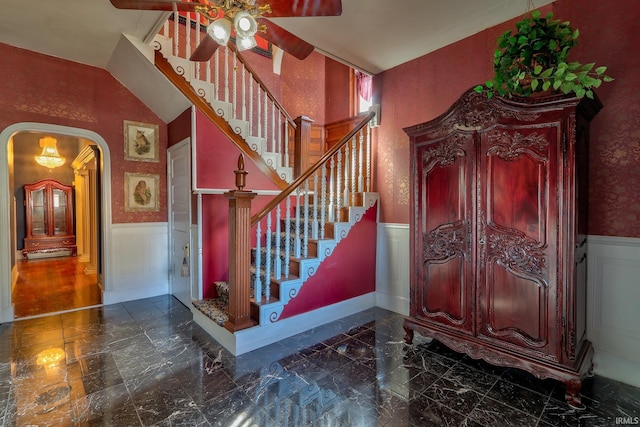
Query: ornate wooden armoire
x,y
499,233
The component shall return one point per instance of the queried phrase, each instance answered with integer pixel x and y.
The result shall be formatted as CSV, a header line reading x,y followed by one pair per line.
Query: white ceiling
x,y
372,35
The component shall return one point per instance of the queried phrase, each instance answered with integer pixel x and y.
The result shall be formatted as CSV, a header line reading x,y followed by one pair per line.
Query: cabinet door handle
x,y
481,241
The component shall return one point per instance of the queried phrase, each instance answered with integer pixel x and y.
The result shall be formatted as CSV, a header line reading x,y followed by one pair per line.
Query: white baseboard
x,y
611,366
254,338
393,303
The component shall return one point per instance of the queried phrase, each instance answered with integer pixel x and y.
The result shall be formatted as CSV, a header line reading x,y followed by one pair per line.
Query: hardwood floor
x,y
52,285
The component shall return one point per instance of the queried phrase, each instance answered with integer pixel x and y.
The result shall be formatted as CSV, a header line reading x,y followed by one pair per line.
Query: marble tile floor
x,y
147,363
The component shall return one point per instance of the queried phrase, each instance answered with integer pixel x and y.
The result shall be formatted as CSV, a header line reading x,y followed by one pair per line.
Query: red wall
x,y
44,89
303,86
422,89
347,273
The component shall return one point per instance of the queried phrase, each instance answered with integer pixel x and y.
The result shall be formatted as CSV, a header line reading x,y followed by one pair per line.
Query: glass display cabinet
x,y
49,220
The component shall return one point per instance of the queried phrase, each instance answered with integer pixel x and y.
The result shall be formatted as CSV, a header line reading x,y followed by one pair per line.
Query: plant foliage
x,y
534,59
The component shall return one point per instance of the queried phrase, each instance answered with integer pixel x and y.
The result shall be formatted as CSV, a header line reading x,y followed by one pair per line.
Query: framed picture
x,y
141,192
141,142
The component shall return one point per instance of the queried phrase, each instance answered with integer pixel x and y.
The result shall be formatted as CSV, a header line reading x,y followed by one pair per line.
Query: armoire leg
x,y
572,394
408,336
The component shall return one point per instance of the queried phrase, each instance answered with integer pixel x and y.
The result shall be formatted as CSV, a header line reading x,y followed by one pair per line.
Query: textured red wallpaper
x,y
422,89
44,89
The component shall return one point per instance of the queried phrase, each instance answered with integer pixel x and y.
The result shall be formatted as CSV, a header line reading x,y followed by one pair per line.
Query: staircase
x,y
233,91
282,257
302,226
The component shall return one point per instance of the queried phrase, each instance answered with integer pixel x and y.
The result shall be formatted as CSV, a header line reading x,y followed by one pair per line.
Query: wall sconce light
x,y
49,157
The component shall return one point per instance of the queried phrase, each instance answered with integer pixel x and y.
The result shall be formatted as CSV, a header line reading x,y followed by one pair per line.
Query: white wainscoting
x,y
392,267
139,262
613,316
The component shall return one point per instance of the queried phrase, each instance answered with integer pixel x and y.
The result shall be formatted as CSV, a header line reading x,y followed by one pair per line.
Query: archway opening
x,y
63,278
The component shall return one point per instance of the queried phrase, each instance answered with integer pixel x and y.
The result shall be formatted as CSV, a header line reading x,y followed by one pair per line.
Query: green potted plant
x,y
534,59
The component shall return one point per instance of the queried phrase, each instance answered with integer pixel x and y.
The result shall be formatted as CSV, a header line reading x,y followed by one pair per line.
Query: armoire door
x,y
443,255
517,237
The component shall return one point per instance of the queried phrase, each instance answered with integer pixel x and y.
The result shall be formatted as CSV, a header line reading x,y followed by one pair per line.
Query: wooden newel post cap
x,y
241,174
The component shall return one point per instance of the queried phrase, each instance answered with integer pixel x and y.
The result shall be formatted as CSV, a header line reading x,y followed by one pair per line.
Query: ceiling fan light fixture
x,y
220,31
49,158
246,43
245,24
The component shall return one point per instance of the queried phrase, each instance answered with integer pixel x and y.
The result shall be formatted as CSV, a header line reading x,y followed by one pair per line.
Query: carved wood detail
x,y
521,216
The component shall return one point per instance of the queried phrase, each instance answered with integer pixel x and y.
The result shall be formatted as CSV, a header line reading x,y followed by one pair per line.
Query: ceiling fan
x,y
244,17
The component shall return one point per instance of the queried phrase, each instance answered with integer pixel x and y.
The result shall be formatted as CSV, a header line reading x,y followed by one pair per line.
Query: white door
x,y
179,194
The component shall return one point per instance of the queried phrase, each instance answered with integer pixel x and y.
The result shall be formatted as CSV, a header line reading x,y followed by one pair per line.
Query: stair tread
x,y
214,308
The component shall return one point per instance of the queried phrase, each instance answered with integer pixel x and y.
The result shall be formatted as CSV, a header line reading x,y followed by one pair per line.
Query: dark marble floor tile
x,y
426,412
438,348
429,361
491,413
527,380
329,358
158,401
558,413
448,393
464,376
203,379
107,407
519,397
610,392
234,408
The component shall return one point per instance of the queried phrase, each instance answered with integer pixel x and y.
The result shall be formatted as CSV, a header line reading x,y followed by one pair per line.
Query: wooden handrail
x,y
262,85
287,191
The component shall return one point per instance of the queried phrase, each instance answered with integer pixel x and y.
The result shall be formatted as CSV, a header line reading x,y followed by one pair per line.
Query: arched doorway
x,y
8,238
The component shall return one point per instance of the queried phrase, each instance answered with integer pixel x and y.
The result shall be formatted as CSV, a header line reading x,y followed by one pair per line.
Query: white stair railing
x,y
233,89
313,204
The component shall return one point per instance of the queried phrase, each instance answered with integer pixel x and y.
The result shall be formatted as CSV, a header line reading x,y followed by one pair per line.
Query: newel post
x,y
239,252
301,145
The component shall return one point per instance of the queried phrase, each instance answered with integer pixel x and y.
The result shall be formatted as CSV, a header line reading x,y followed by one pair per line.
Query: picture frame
x,y
141,192
141,142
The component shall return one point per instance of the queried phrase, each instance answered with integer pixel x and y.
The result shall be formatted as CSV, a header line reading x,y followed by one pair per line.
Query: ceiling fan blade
x,y
285,40
205,50
154,5
286,8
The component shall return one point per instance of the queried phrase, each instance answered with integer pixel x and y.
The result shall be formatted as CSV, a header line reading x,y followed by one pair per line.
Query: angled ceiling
x,y
371,35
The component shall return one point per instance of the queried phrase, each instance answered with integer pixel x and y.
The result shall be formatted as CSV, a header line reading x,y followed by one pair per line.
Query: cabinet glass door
x,y
59,212
38,213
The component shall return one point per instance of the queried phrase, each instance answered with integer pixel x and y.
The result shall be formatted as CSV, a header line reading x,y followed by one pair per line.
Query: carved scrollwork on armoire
x,y
518,253
510,145
445,242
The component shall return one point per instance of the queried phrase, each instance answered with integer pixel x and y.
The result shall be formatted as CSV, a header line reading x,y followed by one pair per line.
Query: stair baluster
x,y
314,222
323,198
368,160
287,238
353,170
277,265
257,288
297,247
338,193
305,235
267,262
